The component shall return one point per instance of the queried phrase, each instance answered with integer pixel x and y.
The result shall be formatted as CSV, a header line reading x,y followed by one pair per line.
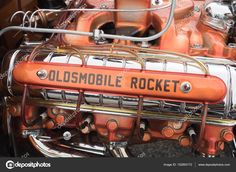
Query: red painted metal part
x,y
213,139
151,84
187,34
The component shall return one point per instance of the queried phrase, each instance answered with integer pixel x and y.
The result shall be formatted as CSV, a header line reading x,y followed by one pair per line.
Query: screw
x,y
186,87
42,74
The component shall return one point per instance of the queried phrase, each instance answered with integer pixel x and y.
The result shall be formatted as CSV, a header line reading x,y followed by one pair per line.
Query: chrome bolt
x,y
156,2
232,45
186,87
67,135
42,74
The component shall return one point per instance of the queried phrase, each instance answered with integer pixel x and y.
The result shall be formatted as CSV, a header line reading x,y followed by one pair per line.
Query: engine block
x,y
122,73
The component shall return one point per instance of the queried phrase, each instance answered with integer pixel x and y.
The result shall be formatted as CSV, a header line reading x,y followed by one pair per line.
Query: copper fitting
x,y
227,135
50,124
146,137
112,125
167,131
184,141
60,119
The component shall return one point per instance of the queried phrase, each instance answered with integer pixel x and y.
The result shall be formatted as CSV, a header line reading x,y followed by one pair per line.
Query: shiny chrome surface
x,y
119,149
218,15
160,115
222,68
79,150
9,73
120,153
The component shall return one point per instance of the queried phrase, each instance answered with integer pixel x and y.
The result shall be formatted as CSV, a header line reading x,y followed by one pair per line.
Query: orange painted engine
x,y
98,76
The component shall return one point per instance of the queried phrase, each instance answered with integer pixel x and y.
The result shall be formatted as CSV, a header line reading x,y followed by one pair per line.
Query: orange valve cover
x,y
132,82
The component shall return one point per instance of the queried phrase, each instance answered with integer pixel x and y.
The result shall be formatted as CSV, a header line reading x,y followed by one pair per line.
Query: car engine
x,y
87,78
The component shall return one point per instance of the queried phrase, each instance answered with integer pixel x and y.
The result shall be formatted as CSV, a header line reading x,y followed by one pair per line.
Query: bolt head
x,y
60,119
167,132
186,87
42,74
232,45
112,125
67,135
184,141
227,135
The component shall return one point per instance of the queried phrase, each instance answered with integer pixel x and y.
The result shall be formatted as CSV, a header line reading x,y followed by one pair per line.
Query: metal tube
x,y
44,30
23,114
203,124
102,35
98,10
145,39
127,112
53,150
